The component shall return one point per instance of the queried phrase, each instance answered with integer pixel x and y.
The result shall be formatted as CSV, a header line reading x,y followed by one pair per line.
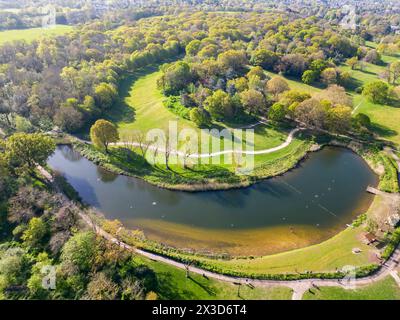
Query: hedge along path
x,y
298,286
219,153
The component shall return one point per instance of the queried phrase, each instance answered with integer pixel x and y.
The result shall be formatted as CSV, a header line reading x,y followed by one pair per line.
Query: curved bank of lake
x,y
304,206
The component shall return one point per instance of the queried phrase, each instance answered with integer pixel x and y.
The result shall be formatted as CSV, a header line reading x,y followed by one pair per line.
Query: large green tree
x,y
105,95
26,151
102,133
377,92
219,105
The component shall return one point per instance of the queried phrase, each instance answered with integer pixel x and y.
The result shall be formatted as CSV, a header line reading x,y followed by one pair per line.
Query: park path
x,y
395,276
288,140
357,106
298,286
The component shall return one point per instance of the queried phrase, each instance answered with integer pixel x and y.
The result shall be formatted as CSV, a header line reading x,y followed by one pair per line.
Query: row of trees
x,y
72,80
43,240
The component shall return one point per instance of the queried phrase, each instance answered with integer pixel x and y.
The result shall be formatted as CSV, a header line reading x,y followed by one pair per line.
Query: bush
x,y
173,103
389,180
392,245
359,90
200,117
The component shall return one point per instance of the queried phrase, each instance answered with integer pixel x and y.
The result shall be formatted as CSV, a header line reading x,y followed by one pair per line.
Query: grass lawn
x,y
385,119
386,289
142,108
172,284
32,33
334,253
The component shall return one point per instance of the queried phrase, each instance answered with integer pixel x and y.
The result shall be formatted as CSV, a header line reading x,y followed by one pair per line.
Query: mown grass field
x,y
327,256
173,285
385,118
386,289
142,109
32,33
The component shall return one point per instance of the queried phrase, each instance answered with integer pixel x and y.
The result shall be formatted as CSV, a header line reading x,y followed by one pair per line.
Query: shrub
x,y
173,104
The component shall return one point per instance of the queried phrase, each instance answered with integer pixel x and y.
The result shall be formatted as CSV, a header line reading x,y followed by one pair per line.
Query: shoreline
x,y
250,180
178,254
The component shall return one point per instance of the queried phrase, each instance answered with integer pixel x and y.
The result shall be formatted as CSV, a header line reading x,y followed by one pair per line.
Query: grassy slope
x,y
173,284
386,289
324,257
386,119
142,109
32,34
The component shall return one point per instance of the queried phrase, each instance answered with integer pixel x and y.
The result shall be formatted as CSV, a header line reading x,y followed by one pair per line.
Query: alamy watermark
x,y
190,147
49,277
49,16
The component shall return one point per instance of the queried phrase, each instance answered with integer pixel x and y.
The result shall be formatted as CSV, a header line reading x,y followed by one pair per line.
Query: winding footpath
x,y
298,286
214,154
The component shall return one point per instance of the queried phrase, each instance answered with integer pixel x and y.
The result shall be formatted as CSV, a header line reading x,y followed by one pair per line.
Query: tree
x,y
101,287
336,95
235,60
256,71
329,76
105,95
277,85
132,289
176,77
12,262
35,282
102,133
88,106
309,76
253,101
238,84
79,253
193,47
395,71
311,112
35,233
352,62
292,96
373,56
293,64
68,119
28,150
200,117
376,92
264,58
144,145
363,120
338,118
219,105
277,112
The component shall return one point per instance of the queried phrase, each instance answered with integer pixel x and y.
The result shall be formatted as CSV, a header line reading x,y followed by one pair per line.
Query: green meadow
x,y
32,33
386,289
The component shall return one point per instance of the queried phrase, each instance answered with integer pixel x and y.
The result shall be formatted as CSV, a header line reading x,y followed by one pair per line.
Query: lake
x,y
304,206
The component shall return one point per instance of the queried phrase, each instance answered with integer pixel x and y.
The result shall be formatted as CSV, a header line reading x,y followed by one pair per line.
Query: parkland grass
x,y
172,284
33,33
386,289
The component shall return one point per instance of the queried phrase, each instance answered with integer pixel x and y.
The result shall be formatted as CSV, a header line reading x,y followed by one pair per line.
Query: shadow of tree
x,y
382,130
353,84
